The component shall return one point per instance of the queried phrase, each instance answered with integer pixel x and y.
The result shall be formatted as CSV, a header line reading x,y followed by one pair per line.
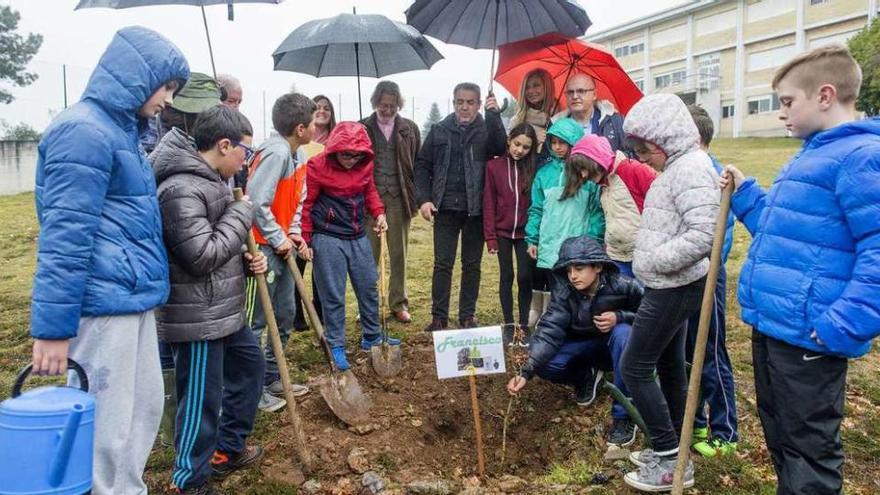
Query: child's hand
x,y
305,252
606,321
492,251
381,224
533,252
284,249
729,174
516,384
50,357
259,264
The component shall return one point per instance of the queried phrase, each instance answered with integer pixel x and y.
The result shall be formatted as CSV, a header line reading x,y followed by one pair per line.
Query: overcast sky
x,y
244,47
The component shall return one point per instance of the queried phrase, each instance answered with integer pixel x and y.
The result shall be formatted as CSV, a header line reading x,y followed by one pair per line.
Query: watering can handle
x,y
26,371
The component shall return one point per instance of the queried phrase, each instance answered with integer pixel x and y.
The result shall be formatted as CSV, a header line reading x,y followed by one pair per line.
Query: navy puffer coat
x,y
100,246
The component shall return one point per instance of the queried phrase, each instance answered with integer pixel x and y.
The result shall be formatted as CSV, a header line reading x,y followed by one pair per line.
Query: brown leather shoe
x,y
468,322
403,316
437,324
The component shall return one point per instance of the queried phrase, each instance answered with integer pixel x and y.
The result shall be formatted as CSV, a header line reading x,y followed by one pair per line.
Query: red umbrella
x,y
562,58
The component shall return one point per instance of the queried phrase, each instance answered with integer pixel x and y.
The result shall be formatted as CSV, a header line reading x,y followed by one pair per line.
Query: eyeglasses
x,y
248,151
579,91
348,155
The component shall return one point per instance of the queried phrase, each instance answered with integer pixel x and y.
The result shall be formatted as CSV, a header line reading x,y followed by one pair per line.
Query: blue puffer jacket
x,y
100,246
814,263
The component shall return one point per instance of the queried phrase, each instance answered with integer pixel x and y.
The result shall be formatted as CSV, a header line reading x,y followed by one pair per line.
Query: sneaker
x,y
642,458
715,446
585,393
657,476
366,344
622,433
270,403
204,489
276,388
467,322
437,324
340,358
700,435
508,334
224,464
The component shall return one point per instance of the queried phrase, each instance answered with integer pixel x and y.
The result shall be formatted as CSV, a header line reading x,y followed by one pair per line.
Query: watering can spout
x,y
65,445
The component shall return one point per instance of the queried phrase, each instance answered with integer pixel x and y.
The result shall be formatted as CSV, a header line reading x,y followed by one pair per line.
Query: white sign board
x,y
477,351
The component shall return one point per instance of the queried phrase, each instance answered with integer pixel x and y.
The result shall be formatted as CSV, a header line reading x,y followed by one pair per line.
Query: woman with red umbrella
x,y
536,103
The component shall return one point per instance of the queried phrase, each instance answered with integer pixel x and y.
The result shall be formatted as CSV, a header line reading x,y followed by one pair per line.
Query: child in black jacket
x,y
585,329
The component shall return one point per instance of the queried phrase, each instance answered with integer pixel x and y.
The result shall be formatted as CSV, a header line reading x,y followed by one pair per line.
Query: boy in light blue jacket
x,y
810,286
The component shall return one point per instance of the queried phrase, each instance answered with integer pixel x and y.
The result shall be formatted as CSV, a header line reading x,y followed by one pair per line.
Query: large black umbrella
x,y
490,23
355,45
124,4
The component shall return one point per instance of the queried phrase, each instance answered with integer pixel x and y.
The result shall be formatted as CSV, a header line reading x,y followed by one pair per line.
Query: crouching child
x,y
586,326
219,363
339,192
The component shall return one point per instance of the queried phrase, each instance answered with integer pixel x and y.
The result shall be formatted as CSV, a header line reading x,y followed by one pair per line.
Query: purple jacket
x,y
505,205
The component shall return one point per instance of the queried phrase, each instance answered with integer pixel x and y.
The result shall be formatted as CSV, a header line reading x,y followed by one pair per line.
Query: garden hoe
x,y
386,358
340,389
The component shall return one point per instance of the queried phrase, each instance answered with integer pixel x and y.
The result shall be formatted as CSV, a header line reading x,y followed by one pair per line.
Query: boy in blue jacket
x,y
586,327
102,268
810,286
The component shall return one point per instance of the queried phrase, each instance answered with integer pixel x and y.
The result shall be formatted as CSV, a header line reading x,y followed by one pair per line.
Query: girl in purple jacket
x,y
505,212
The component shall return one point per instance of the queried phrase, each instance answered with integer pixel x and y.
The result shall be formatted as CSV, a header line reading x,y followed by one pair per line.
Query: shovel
x,y
385,358
340,390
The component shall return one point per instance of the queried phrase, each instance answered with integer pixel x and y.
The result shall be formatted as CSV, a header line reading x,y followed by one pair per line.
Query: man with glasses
x,y
449,190
595,116
396,142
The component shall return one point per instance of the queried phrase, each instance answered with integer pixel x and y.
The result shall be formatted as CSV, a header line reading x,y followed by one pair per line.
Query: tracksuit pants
x,y
213,376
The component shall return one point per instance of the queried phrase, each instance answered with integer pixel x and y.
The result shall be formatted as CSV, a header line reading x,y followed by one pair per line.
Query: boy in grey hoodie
x,y
671,258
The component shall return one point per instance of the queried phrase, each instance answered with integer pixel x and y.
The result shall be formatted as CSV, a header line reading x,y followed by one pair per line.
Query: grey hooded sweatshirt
x,y
678,221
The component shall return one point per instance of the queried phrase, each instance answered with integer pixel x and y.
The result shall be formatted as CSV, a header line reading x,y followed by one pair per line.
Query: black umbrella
x,y
125,4
355,45
490,23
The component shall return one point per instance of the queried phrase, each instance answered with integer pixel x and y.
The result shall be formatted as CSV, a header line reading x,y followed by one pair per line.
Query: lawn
x,y
572,468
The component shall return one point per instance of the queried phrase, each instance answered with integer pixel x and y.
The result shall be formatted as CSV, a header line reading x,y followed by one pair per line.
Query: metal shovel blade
x,y
386,360
343,394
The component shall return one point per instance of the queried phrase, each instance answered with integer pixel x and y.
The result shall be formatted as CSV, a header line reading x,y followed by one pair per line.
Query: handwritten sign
x,y
477,351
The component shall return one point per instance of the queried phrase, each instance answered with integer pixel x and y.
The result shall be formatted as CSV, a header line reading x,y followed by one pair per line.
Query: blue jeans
x,y
334,260
574,356
716,384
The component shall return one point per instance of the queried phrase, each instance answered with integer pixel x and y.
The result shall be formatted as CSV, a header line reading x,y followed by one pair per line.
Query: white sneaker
x,y
277,389
270,403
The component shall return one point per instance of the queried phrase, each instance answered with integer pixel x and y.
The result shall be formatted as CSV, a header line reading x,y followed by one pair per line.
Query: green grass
x,y
747,473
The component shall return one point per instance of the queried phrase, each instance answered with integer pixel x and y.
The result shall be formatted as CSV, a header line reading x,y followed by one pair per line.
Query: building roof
x,y
689,7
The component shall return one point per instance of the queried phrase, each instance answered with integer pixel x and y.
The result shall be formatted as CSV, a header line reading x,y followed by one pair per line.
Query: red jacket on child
x,y
337,199
505,205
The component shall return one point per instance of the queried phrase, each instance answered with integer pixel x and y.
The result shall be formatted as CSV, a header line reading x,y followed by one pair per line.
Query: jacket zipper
x,y
515,196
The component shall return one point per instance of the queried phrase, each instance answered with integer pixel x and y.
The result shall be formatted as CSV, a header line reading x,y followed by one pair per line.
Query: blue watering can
x,y
46,438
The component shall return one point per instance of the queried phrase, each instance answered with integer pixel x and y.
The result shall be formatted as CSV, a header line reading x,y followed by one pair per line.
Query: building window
x,y
727,111
640,83
819,2
763,104
709,67
765,9
670,79
623,51
769,59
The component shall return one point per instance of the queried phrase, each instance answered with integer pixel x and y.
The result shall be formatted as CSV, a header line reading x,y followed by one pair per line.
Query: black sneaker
x,y
622,433
205,489
224,464
585,393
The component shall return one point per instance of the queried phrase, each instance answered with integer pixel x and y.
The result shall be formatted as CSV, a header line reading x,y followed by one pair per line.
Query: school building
x,y
722,54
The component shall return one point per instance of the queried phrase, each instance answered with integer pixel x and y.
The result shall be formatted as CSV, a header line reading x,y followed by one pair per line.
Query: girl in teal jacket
x,y
552,219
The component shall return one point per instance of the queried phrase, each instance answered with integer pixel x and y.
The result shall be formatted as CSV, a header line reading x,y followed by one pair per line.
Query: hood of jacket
x,y
137,62
664,120
869,126
567,130
583,250
352,137
176,154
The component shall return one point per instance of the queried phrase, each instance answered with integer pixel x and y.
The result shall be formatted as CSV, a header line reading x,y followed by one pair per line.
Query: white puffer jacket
x,y
678,222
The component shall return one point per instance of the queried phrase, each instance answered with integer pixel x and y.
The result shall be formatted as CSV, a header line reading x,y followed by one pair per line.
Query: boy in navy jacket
x,y
810,286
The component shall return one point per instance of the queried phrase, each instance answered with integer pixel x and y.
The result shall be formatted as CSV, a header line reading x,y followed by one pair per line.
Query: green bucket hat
x,y
200,93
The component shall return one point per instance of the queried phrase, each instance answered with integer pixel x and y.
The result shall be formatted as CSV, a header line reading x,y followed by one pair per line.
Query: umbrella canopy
x,y
490,23
563,58
355,45
125,4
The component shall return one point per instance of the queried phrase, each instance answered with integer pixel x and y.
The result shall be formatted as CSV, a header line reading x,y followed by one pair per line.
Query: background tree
x,y
865,48
434,117
15,52
18,132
